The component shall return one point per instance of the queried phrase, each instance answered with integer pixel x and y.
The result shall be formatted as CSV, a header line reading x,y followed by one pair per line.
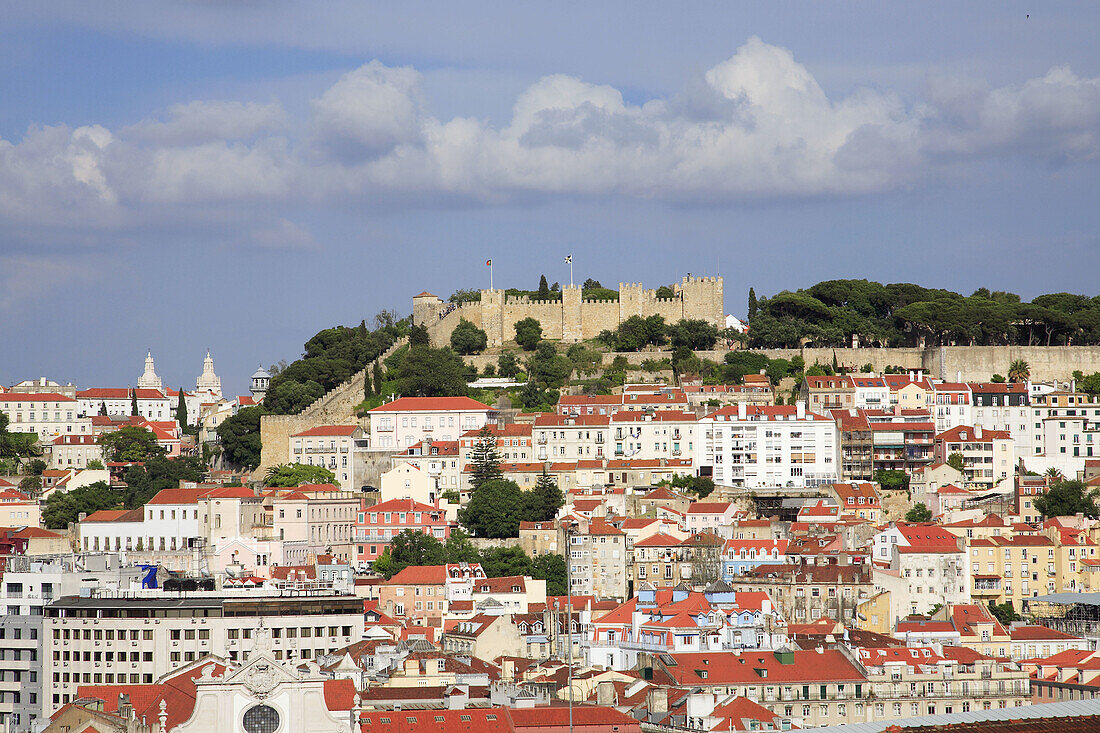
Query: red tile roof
x,y
694,669
420,575
34,397
432,404
327,430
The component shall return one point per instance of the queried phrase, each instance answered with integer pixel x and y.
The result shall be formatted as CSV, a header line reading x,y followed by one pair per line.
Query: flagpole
x,y
570,271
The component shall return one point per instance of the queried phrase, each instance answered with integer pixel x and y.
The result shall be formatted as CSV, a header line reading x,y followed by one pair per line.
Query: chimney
x,y
958,376
605,694
977,432
742,411
800,410
125,709
912,376
657,701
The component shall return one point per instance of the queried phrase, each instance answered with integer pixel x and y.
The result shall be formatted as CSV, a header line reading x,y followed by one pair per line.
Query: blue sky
x,y
238,175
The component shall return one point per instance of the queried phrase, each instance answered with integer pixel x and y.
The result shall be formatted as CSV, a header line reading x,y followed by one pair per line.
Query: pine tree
x,y
377,378
544,289
181,411
133,403
752,304
836,365
103,408
486,459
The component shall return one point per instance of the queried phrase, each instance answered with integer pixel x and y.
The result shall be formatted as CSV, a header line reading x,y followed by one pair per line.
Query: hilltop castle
x,y
572,318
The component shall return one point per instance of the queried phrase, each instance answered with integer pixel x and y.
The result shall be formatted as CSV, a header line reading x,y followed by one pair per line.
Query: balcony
x,y
382,428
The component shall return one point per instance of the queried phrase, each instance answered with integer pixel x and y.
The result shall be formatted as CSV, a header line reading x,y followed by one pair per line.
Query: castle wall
x,y
571,318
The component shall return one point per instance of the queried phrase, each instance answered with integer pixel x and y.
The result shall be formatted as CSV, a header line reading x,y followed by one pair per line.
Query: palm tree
x,y
1019,371
1054,474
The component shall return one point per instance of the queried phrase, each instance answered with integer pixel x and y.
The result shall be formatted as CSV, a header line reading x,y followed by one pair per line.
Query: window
x,y
261,719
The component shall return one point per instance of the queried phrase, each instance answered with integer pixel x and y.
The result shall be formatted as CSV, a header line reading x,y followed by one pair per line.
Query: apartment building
x,y
331,447
28,587
702,396
571,437
107,639
152,404
320,514
512,441
805,593
921,565
988,456
377,525
768,446
432,467
653,435
407,421
951,405
421,593
45,414
72,451
598,560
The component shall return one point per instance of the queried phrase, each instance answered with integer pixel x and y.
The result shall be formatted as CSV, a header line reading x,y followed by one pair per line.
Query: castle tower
x,y
149,379
208,381
261,380
704,299
426,309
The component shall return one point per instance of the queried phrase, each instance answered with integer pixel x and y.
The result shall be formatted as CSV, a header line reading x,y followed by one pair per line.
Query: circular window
x,y
261,719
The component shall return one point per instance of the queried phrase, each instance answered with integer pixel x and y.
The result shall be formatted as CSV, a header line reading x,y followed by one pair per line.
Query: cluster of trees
x,y
416,548
1088,383
296,474
904,314
700,486
1066,498
329,359
636,332
497,505
466,338
15,447
547,373
919,513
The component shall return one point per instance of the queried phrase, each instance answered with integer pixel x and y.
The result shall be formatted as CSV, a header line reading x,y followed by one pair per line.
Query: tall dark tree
x,y
485,459
103,409
495,509
544,288
419,336
181,411
133,403
752,304
544,500
377,371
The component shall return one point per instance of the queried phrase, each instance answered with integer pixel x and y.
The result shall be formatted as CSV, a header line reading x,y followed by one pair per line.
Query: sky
x,y
238,175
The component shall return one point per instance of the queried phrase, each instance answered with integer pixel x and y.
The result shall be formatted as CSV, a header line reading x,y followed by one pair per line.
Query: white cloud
x,y
201,121
755,126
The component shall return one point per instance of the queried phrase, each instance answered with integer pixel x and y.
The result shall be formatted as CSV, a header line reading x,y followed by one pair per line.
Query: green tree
x,y
95,465
419,337
919,513
507,366
181,411
485,459
103,408
752,304
296,474
694,334
495,510
549,368
31,485
955,460
544,500
239,437
134,403
665,293
1067,498
1005,613
459,548
410,547
130,443
997,379
544,288
892,480
428,372
550,568
63,508
466,338
528,333
36,466
499,562
376,371
700,486
591,284
158,473
1019,371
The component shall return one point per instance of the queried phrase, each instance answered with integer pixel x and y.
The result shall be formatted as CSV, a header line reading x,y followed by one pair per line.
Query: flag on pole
x,y
569,259
488,263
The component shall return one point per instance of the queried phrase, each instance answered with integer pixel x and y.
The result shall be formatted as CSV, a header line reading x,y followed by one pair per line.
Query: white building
x,y
653,435
571,437
73,451
921,565
768,446
151,634
149,378
330,446
408,420
45,414
208,381
153,404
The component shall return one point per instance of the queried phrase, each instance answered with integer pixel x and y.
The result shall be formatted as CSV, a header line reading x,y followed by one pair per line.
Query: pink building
x,y
379,524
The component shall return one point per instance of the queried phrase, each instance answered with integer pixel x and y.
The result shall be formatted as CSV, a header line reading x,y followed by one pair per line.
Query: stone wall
x,y
571,318
336,407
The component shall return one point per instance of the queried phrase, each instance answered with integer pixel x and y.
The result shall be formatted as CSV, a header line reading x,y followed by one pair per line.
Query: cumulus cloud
x,y
755,126
201,121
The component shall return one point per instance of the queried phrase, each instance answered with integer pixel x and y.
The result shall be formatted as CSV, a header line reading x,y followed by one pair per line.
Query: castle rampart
x,y
572,318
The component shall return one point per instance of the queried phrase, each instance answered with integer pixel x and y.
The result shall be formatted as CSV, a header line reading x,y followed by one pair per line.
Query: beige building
x,y
329,446
571,437
598,560
322,515
49,416
988,456
73,451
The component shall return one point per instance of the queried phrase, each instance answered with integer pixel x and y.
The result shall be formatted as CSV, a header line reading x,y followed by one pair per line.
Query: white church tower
x,y
149,379
208,381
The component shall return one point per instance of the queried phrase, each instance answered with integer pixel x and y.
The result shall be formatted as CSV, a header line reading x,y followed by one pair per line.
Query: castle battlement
x,y
573,317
